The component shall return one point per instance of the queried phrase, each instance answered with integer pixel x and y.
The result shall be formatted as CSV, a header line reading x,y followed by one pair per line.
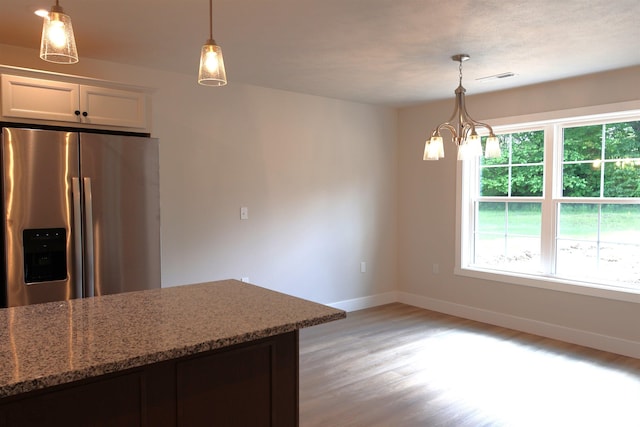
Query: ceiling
x,y
387,52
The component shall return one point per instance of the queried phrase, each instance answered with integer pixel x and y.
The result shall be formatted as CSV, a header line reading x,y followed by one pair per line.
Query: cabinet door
x,y
248,385
29,98
117,401
113,107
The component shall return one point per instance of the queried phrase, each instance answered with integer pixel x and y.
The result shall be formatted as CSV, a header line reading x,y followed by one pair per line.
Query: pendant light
x,y
58,44
212,71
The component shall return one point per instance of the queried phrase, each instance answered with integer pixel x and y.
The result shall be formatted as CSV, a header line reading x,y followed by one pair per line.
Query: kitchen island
x,y
220,353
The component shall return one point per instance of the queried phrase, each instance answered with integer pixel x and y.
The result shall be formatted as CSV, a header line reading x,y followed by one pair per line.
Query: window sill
x,y
552,283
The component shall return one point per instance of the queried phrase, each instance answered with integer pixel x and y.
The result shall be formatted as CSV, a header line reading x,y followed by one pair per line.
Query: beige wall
x,y
317,174
323,180
427,212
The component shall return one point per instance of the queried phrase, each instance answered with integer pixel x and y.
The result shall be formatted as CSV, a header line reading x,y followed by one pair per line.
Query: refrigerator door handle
x,y
88,226
77,235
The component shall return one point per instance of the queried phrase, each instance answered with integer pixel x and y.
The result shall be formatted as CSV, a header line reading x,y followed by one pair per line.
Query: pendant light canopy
x,y
212,71
58,43
462,128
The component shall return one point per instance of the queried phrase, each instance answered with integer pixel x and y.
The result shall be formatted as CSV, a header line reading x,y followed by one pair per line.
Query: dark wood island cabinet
x,y
215,354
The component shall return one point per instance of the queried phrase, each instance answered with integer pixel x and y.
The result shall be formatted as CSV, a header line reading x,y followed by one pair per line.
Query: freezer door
x,y
122,213
38,169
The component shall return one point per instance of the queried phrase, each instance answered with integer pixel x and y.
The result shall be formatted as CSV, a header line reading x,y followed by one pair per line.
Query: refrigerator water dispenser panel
x,y
45,254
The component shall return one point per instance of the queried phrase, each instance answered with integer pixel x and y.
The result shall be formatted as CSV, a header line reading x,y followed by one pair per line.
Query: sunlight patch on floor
x,y
516,384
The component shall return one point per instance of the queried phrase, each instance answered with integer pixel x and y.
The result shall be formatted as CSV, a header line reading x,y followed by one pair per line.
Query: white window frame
x,y
550,200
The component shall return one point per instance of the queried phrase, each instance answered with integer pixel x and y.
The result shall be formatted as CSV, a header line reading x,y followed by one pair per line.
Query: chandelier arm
x,y
468,129
445,125
489,128
470,122
456,113
483,125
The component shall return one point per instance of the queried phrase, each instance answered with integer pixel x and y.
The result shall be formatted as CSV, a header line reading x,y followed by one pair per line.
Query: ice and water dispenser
x,y
45,254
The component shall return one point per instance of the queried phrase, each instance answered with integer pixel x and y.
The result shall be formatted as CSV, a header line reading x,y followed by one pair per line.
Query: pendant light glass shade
x,y
58,43
212,71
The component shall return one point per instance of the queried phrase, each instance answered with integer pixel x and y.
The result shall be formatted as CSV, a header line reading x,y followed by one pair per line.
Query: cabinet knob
x,y
77,113
85,114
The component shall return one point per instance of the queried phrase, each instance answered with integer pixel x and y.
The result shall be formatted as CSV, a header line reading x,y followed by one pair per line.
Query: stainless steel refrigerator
x,y
80,215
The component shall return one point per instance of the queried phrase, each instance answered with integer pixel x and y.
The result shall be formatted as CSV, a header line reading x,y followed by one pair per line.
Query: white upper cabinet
x,y
112,107
35,100
27,98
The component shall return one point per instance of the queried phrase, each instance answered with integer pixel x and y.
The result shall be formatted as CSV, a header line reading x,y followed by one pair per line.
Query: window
x,y
561,205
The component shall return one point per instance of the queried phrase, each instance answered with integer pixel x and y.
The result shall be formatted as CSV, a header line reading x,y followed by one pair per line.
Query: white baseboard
x,y
548,330
536,327
366,302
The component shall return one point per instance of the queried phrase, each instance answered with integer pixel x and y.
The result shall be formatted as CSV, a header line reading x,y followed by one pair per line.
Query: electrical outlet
x,y
363,267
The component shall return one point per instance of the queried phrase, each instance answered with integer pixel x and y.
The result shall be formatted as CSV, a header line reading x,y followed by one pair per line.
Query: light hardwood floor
x,y
401,366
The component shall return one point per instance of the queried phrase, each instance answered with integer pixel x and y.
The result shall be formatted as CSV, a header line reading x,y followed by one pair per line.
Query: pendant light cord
x,y
210,19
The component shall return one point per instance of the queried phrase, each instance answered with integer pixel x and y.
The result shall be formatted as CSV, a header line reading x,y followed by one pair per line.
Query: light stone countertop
x,y
43,345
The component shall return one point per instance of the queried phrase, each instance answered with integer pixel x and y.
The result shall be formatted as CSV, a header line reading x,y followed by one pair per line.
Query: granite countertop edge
x,y
140,360
148,359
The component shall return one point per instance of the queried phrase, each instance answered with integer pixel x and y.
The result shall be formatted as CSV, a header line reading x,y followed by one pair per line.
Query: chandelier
x,y
463,132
